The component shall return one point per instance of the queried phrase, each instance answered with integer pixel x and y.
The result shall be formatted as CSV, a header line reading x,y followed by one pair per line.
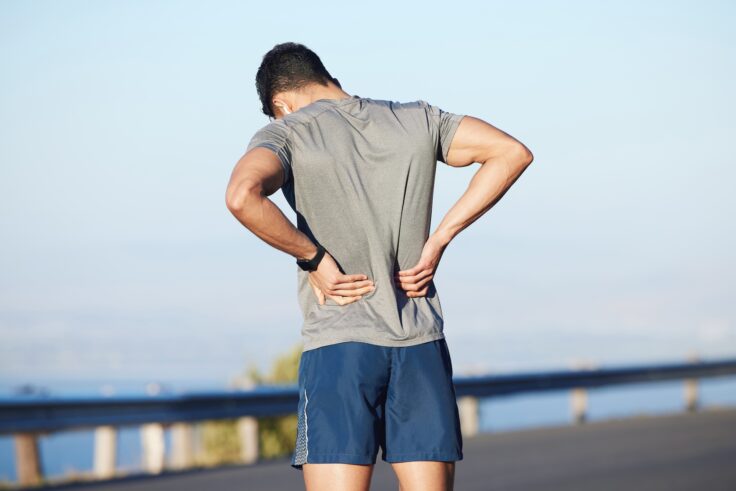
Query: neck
x,y
315,92
307,95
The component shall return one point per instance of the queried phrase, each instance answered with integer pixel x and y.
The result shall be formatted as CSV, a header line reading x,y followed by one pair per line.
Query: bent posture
x,y
375,371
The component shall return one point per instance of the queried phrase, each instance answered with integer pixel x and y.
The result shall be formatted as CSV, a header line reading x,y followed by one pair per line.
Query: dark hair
x,y
289,66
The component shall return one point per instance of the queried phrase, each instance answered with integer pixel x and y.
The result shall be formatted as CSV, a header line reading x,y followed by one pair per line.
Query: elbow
x,y
530,158
527,156
239,195
523,156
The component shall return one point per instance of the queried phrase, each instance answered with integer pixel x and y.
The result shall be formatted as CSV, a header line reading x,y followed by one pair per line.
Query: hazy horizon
x,y
121,123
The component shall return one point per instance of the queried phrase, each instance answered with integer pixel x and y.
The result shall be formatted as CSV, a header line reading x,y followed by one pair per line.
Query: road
x,y
674,452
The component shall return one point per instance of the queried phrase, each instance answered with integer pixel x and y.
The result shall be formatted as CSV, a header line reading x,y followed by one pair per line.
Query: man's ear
x,y
281,105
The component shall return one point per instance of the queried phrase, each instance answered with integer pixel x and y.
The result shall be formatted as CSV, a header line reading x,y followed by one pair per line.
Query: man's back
x,y
359,173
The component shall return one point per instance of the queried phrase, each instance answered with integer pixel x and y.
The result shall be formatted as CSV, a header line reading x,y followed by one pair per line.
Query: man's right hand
x,y
329,281
415,281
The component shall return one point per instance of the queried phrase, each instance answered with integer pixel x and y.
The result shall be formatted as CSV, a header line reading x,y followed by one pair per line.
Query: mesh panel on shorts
x,y
301,451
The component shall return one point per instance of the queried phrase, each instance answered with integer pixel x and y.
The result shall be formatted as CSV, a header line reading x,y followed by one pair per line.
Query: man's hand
x,y
415,281
328,281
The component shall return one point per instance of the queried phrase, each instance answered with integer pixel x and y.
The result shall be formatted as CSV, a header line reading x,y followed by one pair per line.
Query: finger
x,y
420,293
348,278
352,291
345,300
398,282
418,285
412,271
352,285
416,277
321,297
409,280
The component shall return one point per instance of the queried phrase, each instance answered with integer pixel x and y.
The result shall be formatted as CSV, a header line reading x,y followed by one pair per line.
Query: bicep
x,y
476,140
259,168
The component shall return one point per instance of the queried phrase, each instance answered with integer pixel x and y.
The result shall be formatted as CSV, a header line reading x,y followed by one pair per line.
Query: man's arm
x,y
257,175
503,159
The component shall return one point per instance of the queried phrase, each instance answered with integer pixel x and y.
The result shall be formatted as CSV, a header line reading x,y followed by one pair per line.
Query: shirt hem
x,y
376,341
451,130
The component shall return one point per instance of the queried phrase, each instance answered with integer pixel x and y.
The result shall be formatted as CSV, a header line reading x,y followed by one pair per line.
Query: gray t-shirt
x,y
359,173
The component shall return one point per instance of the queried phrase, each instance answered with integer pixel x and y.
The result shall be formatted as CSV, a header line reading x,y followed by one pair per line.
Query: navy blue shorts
x,y
355,397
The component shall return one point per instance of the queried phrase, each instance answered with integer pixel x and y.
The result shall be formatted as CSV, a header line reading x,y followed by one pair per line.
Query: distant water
x,y
66,452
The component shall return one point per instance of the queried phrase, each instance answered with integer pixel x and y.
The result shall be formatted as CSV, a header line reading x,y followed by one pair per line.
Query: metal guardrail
x,y
28,416
24,414
496,385
52,413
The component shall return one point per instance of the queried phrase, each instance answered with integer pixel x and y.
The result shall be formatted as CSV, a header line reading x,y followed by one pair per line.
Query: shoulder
x,y
414,105
418,109
277,128
274,135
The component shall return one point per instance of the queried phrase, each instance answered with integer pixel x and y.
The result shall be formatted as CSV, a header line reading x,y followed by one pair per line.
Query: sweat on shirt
x,y
359,173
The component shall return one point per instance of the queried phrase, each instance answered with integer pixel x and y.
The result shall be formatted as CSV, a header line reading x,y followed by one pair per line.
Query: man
x,y
375,370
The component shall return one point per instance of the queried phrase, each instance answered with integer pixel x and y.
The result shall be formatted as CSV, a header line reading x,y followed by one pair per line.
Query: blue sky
x,y
121,123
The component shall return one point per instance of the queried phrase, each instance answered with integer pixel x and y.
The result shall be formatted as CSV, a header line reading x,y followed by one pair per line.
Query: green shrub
x,y
276,434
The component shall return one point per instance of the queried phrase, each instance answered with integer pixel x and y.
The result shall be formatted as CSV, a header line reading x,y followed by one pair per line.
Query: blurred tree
x,y
220,443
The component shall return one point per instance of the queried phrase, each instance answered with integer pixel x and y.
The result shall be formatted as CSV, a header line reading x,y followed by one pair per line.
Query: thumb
x,y
318,293
320,296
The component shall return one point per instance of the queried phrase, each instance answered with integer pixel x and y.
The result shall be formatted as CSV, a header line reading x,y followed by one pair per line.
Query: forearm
x,y
486,188
266,220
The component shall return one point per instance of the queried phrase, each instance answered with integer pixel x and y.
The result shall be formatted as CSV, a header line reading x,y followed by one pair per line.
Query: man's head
x,y
288,67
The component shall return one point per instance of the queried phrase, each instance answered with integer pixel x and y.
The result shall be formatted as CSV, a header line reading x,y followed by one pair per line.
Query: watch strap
x,y
311,264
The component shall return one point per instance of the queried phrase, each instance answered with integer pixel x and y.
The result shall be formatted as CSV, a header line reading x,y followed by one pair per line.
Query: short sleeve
x,y
275,137
444,125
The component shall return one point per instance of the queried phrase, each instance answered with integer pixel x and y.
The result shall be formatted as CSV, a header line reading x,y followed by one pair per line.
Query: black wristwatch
x,y
311,264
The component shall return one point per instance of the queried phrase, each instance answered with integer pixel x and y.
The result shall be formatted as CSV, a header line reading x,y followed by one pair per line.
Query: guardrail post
x,y
579,395
691,388
182,445
152,439
579,405
248,433
27,459
691,394
469,412
198,443
105,451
